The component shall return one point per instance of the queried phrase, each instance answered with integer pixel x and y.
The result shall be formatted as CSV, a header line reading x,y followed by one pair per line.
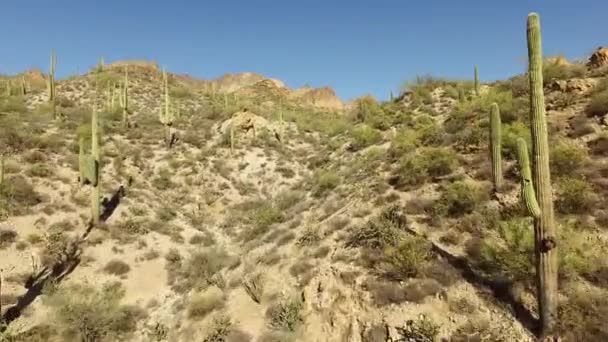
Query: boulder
x,y
599,58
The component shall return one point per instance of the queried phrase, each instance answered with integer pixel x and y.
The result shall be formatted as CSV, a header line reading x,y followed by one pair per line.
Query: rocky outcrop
x,y
319,97
576,85
599,58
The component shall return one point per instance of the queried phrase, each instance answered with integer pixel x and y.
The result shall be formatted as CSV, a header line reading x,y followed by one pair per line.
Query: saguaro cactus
x,y
8,88
536,191
495,147
125,99
89,167
1,169
51,83
476,71
94,169
23,86
167,116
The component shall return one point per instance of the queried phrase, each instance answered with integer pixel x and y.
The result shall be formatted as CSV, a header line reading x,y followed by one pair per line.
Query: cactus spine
x,y
476,81
51,83
95,165
496,146
125,99
536,191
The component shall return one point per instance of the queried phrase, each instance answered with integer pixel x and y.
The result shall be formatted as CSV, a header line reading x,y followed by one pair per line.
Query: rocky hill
x,y
272,218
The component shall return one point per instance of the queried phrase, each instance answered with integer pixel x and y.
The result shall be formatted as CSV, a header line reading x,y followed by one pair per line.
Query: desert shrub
x,y
598,106
287,314
364,136
557,70
460,198
514,258
88,314
324,181
117,267
575,195
417,168
263,217
385,292
199,271
201,304
17,196
405,141
384,230
7,237
309,236
407,258
566,157
511,132
420,330
582,316
223,330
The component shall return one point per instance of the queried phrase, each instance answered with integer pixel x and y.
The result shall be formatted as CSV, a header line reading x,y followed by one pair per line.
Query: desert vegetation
x,y
141,205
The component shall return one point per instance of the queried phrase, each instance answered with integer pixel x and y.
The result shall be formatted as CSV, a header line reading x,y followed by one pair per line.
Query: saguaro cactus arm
x,y
527,188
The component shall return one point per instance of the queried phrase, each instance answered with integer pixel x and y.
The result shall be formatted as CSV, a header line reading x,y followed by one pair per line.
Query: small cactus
x,y
495,147
476,81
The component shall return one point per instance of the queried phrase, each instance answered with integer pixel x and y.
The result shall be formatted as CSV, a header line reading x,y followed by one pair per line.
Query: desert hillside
x,y
238,209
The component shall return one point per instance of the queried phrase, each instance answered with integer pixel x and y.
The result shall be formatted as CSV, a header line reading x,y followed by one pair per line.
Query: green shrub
x,y
117,267
598,106
88,314
420,330
199,271
460,198
408,257
557,70
324,181
287,314
511,132
383,230
364,136
416,169
514,257
201,304
574,196
566,157
405,141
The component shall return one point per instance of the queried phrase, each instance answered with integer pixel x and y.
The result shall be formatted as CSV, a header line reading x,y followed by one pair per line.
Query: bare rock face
x,y
599,58
319,97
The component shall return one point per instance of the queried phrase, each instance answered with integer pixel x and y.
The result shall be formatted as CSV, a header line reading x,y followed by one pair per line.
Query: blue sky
x,y
356,47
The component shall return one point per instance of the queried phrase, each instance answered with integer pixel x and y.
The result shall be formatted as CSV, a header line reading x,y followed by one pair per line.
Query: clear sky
x,y
354,46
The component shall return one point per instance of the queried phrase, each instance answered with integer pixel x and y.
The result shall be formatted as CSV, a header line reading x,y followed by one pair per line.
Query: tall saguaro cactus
x,y
1,169
476,71
94,167
495,147
51,83
166,116
89,167
125,99
536,187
